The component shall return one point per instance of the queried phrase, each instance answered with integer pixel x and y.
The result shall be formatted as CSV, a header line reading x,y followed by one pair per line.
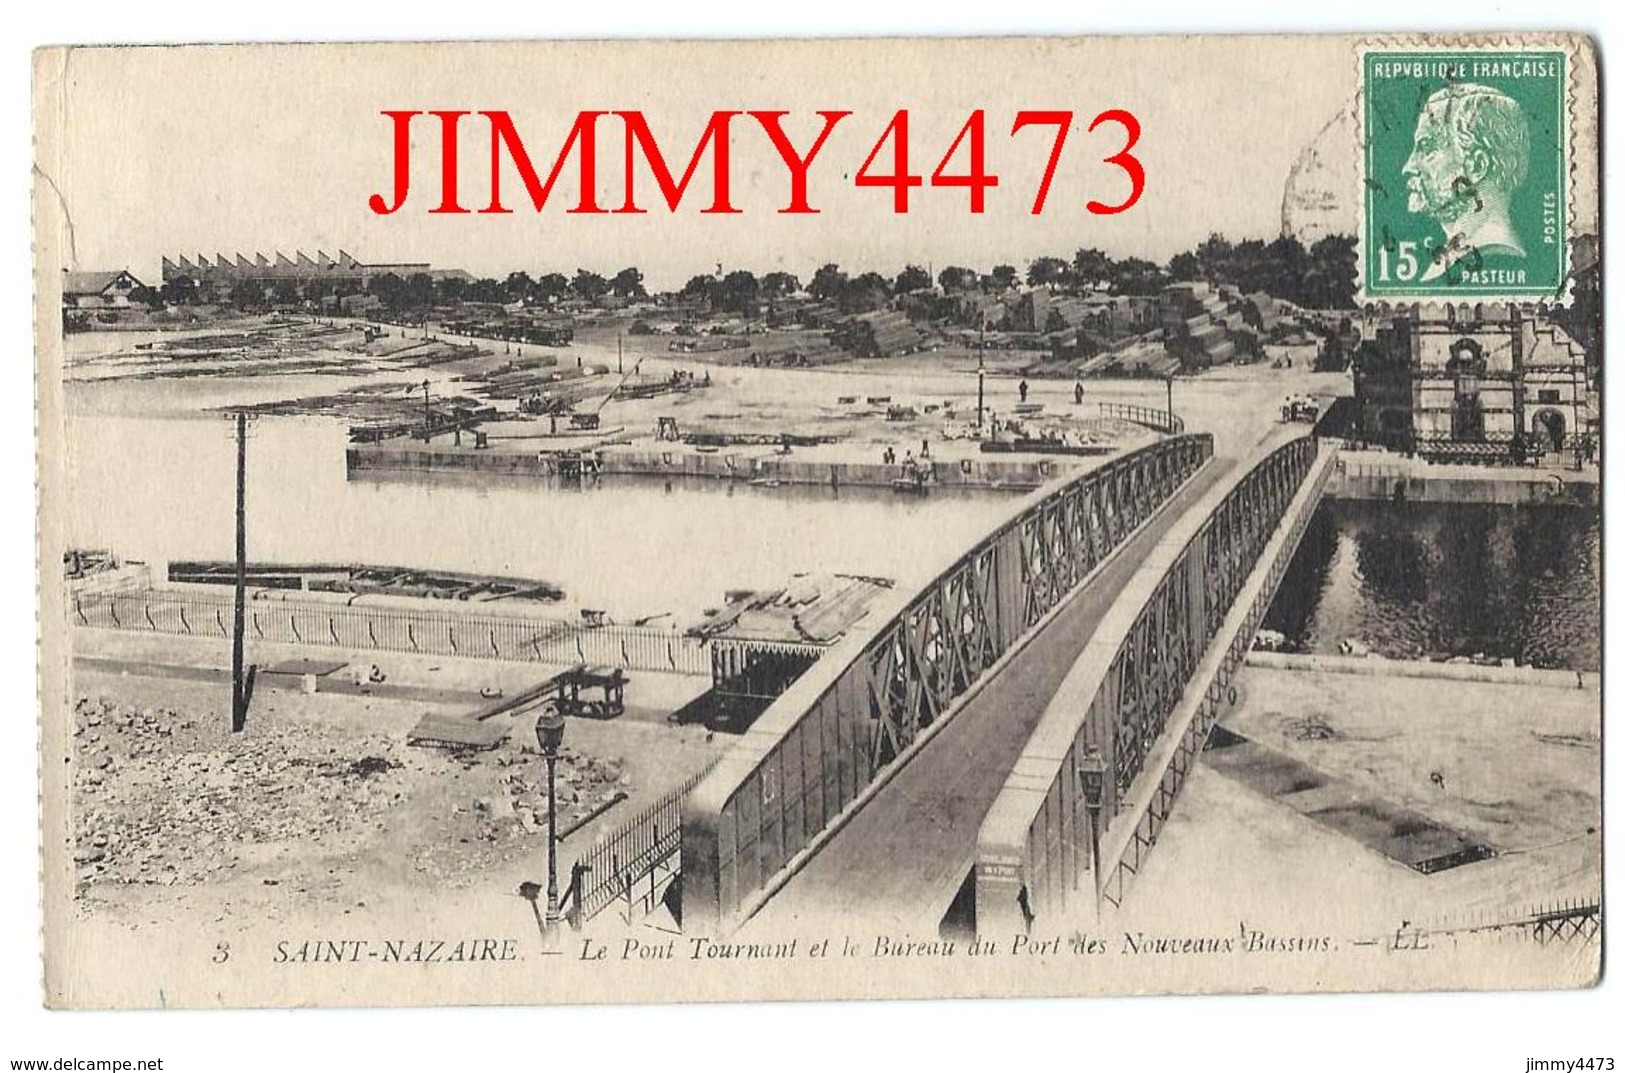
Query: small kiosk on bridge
x,y
762,640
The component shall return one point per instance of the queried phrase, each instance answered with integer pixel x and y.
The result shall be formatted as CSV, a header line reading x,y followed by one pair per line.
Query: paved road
x,y
899,861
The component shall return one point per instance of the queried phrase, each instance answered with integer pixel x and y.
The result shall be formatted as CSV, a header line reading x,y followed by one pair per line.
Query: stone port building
x,y
1471,383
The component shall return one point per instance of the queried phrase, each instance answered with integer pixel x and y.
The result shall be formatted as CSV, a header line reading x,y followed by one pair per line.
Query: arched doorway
x,y
1466,366
1551,426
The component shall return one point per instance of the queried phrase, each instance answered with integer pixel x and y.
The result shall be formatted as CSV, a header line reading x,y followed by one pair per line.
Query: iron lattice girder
x,y
948,637
862,708
1170,633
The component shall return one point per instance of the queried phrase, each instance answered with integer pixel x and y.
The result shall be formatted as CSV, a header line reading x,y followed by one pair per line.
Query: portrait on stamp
x,y
1471,155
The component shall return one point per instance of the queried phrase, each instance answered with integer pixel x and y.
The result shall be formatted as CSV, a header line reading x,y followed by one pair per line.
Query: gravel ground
x,y
320,806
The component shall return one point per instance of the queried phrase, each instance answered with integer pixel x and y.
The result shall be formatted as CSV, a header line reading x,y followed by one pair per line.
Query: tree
x,y
1136,276
553,286
1214,255
487,291
519,287
450,290
387,288
1004,276
589,285
828,283
1048,272
1091,266
1185,268
707,289
738,292
956,278
1251,268
1332,265
865,293
628,283
246,294
179,290
146,296
912,278
779,285
419,290
1286,263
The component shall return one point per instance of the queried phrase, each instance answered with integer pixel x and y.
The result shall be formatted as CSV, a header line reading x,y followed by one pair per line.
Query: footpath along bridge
x,y
925,772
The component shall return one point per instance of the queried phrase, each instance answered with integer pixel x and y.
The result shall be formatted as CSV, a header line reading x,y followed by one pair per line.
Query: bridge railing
x,y
640,849
1149,416
861,710
480,635
1125,705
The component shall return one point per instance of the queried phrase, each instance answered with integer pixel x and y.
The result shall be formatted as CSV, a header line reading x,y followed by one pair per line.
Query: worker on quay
x,y
1077,392
1021,389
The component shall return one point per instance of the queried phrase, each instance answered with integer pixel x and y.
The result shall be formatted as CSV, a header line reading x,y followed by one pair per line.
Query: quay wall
x,y
1391,478
738,466
1403,668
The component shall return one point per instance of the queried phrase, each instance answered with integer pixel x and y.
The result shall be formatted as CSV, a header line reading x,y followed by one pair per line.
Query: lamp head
x,y
550,730
1092,773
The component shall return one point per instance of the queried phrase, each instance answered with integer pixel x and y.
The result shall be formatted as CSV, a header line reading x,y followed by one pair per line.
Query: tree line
x,y
1319,276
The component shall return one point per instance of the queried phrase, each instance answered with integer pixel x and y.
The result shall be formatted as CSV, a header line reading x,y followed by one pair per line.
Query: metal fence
x,y
643,849
1150,417
477,635
1566,922
866,703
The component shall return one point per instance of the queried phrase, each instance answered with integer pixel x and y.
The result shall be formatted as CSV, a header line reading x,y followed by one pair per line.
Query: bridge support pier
x,y
702,885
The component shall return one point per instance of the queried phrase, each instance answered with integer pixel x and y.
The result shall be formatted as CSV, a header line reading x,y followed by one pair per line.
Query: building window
x,y
1549,394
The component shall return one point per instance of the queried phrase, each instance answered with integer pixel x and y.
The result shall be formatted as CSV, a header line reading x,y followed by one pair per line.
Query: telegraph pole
x,y
239,688
981,372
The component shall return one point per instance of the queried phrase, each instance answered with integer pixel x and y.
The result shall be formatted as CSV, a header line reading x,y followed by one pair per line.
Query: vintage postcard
x,y
546,522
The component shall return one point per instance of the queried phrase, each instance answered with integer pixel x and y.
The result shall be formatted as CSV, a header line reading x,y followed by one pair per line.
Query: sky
x,y
278,148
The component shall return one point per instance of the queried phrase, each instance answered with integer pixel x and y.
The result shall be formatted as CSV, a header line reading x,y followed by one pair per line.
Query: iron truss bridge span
x,y
1133,714
863,709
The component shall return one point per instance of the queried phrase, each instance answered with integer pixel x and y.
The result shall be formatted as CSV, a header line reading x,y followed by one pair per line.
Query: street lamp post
x,y
549,735
1170,383
981,382
1092,774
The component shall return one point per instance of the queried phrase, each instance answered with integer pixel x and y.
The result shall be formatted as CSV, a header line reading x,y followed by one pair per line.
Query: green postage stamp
x,y
1465,172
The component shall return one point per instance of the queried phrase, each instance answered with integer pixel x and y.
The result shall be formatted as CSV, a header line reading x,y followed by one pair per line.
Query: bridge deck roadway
x,y
900,859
